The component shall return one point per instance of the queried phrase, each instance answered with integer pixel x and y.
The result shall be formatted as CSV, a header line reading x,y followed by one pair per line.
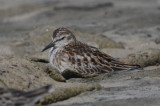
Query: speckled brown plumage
x,y
69,54
92,59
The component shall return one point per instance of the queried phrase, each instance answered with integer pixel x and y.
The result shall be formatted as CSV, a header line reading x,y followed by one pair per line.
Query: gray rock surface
x,y
125,29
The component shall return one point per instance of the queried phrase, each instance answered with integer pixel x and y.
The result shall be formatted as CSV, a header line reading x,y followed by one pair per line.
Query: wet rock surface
x,y
128,30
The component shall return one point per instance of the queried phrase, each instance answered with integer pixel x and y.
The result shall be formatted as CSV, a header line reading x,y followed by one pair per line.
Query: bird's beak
x,y
48,46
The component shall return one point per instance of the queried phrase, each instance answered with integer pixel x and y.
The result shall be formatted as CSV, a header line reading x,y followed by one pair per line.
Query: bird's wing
x,y
90,60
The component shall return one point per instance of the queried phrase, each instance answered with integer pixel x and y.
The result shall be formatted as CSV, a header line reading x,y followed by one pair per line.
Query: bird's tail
x,y
117,66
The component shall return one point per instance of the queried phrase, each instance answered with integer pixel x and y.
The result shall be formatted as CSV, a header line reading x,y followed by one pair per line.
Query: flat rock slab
x,y
125,86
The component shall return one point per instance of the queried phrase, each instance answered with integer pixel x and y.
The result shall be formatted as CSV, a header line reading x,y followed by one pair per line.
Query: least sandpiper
x,y
12,97
69,54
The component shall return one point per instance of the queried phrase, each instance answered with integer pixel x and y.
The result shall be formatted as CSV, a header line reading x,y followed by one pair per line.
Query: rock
x,y
157,40
131,102
145,58
44,64
124,85
69,90
24,73
5,50
20,73
150,73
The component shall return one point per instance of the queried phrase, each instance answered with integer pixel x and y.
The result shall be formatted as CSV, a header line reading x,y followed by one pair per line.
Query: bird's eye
x,y
59,39
62,38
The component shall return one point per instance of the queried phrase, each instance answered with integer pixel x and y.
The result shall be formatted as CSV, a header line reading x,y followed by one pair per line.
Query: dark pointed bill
x,y
48,46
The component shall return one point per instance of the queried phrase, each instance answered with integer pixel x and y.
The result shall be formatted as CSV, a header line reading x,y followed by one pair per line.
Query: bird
x,y
13,97
68,55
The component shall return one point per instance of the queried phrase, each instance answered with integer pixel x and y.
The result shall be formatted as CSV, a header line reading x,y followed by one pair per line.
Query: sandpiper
x,y
67,53
12,97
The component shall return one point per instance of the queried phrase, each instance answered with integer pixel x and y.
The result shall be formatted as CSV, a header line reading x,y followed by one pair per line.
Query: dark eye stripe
x,y
60,39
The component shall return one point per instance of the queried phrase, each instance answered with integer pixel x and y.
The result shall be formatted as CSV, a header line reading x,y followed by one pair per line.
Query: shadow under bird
x,y
12,97
67,55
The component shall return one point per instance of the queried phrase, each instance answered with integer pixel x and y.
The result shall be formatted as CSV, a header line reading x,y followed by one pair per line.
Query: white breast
x,y
54,60
52,53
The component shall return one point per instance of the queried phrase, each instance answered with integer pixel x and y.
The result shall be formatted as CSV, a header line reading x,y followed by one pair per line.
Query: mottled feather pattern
x,y
70,54
86,59
91,60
